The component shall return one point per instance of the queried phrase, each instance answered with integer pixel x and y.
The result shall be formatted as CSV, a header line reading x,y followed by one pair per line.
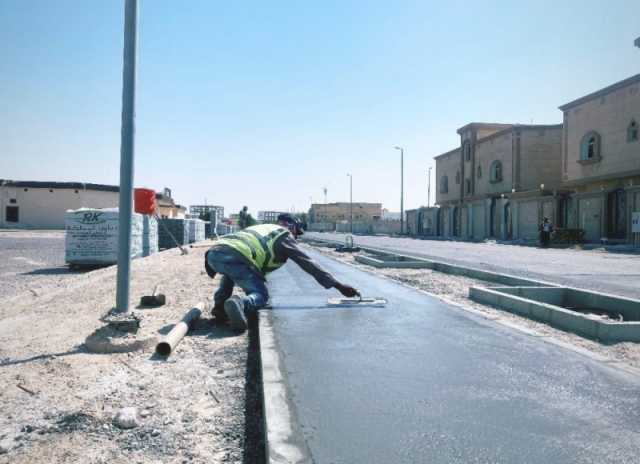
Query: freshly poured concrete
x,y
420,381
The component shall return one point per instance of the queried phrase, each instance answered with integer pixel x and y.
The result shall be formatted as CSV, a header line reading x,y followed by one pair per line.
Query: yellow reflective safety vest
x,y
256,245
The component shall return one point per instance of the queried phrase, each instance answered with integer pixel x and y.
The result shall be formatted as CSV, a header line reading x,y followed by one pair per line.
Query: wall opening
x,y
11,214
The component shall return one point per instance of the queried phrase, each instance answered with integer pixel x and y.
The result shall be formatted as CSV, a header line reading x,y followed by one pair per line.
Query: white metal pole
x,y
127,146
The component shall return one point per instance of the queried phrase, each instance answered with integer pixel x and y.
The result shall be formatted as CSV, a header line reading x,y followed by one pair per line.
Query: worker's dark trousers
x,y
236,271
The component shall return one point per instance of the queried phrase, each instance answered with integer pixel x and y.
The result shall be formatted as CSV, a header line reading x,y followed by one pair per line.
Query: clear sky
x,y
265,103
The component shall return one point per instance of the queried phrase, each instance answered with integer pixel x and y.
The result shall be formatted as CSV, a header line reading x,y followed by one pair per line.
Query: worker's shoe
x,y
234,307
219,315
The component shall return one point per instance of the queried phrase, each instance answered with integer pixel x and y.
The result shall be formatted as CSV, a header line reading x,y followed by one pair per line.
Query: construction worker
x,y
246,257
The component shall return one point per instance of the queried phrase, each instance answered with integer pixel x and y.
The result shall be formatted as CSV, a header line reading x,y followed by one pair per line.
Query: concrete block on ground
x,y
179,230
149,235
91,236
196,230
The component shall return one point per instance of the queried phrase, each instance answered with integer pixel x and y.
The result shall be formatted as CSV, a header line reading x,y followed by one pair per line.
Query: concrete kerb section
x,y
385,259
284,443
551,306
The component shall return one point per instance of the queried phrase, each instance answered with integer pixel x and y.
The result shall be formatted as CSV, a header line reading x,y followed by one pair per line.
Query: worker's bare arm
x,y
289,250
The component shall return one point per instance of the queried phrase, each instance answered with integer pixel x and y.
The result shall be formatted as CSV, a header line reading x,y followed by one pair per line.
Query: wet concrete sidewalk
x,y
421,381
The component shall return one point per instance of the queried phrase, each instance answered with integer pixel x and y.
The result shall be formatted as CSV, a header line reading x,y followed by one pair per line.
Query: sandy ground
x,y
455,289
59,400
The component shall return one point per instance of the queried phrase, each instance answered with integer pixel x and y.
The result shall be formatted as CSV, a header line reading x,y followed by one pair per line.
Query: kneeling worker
x,y
244,259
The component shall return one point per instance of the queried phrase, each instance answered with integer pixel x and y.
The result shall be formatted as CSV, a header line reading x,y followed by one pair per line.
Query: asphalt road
x,y
31,259
422,381
617,273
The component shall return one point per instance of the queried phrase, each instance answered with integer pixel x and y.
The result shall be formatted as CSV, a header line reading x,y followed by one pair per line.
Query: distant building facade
x,y
215,212
337,212
390,215
41,205
601,161
168,208
500,182
269,217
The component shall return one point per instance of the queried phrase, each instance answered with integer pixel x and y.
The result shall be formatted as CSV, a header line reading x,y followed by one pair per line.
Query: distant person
x,y
246,257
243,218
545,232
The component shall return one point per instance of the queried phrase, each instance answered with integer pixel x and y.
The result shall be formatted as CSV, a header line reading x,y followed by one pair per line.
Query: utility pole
x,y
127,146
350,203
401,189
429,187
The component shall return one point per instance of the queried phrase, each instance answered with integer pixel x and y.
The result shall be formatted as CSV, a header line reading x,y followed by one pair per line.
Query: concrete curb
x,y
412,261
284,443
557,316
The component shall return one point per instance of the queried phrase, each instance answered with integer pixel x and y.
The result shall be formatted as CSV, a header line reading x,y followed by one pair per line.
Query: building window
x,y
13,201
632,131
458,177
444,184
496,172
590,147
467,186
466,149
11,214
479,174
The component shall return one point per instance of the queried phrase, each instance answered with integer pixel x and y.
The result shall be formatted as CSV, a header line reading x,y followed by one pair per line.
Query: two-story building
x,y
500,182
601,161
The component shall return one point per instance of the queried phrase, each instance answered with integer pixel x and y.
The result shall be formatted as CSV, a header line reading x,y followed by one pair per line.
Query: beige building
x,y
500,182
42,205
336,212
168,208
601,161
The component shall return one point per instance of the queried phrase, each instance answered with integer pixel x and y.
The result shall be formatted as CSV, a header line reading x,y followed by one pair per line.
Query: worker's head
x,y
288,221
211,272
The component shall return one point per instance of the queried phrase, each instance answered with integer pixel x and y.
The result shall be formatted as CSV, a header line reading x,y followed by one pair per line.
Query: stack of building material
x,y
178,228
92,236
149,235
196,230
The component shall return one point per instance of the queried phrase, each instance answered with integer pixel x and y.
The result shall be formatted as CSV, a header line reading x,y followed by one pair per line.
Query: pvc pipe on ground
x,y
166,346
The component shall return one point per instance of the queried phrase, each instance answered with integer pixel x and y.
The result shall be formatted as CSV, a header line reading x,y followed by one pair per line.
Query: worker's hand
x,y
347,290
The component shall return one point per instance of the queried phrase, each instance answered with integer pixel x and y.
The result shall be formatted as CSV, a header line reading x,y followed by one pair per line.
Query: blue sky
x,y
265,103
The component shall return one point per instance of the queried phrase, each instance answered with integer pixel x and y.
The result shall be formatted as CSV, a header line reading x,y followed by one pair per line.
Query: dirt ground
x,y
59,400
455,289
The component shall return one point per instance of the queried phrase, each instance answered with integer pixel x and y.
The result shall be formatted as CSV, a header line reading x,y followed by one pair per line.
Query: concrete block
x,y
516,305
573,322
614,332
540,312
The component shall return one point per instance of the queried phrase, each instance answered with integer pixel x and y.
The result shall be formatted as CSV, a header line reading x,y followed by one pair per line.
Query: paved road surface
x,y
616,273
421,381
30,259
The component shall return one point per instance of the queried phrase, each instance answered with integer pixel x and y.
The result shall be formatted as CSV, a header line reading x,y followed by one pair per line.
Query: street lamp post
x,y
350,203
429,187
401,189
127,154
